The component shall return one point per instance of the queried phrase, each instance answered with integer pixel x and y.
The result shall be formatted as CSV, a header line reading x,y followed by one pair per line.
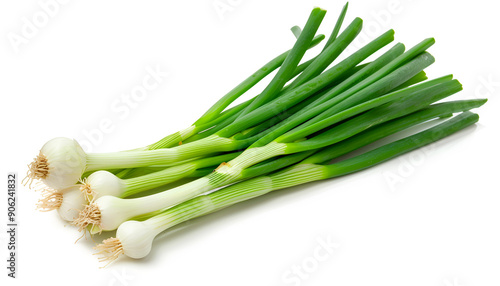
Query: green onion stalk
x,y
134,238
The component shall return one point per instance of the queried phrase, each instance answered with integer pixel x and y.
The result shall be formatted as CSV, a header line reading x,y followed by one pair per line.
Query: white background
x,y
437,225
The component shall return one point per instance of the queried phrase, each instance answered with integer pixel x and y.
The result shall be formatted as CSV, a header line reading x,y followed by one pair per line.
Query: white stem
x,y
115,211
136,238
167,156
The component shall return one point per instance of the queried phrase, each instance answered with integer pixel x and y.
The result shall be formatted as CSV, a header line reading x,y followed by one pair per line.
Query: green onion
x,y
336,29
329,54
319,104
109,212
134,238
296,30
287,135
364,138
291,61
70,201
307,89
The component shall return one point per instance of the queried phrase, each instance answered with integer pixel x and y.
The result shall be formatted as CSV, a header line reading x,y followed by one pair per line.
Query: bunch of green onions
x,y
309,114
